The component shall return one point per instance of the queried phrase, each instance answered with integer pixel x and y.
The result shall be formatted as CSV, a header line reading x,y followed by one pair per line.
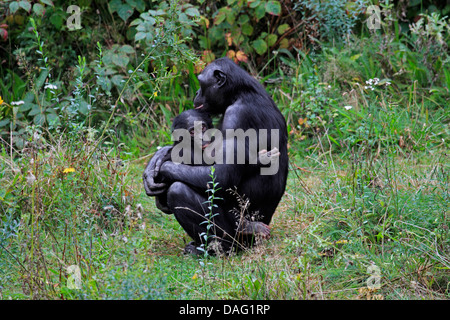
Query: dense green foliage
x,y
83,107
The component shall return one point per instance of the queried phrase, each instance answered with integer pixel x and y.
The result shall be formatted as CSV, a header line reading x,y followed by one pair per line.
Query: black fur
x,y
244,103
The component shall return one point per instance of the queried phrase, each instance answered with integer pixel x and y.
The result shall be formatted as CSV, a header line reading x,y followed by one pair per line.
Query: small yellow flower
x,y
155,94
67,170
1,100
194,277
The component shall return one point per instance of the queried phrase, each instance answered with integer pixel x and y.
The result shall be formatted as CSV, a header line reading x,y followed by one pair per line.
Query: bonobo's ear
x,y
221,77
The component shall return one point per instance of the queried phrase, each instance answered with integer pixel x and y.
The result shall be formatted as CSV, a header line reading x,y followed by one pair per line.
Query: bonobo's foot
x,y
255,228
214,248
191,248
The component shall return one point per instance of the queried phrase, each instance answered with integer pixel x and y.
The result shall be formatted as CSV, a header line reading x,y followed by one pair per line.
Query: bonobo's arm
x,y
153,188
227,175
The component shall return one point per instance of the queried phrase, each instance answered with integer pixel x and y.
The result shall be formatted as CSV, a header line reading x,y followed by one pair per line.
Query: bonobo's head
x,y
221,83
186,120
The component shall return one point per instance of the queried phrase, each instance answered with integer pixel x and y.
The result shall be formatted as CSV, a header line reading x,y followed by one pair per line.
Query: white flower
x,y
50,86
348,107
31,178
17,103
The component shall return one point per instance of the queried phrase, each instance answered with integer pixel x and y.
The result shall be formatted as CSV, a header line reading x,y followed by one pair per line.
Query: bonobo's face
x,y
210,96
192,121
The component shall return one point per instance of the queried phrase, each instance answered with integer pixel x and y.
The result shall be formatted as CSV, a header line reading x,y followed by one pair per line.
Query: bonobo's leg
x,y
161,203
190,209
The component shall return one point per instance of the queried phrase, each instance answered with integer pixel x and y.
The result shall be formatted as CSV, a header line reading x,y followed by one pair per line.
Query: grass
x,y
368,189
341,214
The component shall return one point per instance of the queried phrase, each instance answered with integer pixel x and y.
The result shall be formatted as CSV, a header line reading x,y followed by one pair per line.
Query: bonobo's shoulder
x,y
234,114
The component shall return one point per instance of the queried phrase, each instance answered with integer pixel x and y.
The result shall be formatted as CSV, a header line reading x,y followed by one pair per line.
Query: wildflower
x,y
31,178
371,82
348,107
67,170
50,86
17,103
155,94
1,100
194,277
302,121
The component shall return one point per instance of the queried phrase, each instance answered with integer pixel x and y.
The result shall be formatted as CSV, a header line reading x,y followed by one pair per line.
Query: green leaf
x,y
137,4
13,7
135,22
48,2
57,20
83,106
34,110
260,11
4,122
221,15
41,79
53,118
25,5
125,11
192,12
231,16
127,49
117,80
120,60
39,119
283,28
273,7
139,36
38,9
271,39
27,106
254,4
114,5
260,46
29,97
247,29
243,19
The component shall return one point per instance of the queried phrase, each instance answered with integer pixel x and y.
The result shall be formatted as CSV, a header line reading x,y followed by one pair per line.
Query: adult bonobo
x,y
228,90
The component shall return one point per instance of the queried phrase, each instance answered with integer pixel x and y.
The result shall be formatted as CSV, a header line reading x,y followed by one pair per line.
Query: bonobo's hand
x,y
152,170
266,157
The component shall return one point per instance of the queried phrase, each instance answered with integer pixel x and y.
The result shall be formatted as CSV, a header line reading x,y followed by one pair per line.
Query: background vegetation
x,y
81,112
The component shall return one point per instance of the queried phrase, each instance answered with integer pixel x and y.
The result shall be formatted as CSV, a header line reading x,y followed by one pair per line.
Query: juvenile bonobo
x,y
187,121
228,90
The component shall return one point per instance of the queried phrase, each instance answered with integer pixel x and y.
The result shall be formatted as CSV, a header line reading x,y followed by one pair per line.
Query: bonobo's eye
x,y
191,131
